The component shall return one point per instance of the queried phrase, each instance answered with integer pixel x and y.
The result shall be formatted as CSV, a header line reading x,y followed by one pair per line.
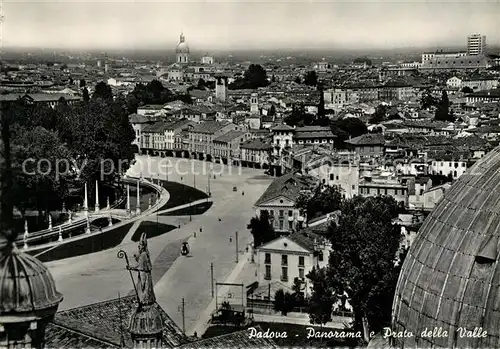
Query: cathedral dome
x,y
26,285
450,279
182,47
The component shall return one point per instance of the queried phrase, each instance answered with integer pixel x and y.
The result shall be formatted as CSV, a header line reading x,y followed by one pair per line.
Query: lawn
x,y
296,335
151,229
91,244
193,210
181,194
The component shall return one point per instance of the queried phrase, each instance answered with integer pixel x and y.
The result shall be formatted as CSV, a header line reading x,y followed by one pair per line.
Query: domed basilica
x,y
448,293
184,69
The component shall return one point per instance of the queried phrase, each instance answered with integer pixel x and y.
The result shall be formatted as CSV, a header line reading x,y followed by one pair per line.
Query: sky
x,y
250,24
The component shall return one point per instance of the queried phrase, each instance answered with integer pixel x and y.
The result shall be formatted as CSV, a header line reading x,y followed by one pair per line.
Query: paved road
x,y
191,277
101,276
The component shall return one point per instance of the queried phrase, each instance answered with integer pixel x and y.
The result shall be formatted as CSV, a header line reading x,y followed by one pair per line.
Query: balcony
x,y
267,277
284,278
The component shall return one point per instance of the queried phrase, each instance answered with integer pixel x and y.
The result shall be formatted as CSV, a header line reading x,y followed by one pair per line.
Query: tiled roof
x,y
283,128
313,129
229,136
157,127
288,185
101,321
367,139
320,134
256,144
57,336
305,239
138,119
238,339
209,127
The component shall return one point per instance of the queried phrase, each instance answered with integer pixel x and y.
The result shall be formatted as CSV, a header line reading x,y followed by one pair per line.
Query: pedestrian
x,y
242,193
195,334
220,220
201,229
230,239
195,234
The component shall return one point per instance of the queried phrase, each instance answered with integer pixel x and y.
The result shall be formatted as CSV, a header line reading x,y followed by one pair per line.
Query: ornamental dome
x,y
26,285
450,278
182,47
146,321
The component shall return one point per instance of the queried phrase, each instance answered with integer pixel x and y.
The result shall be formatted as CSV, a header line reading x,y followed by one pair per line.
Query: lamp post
x,y
236,247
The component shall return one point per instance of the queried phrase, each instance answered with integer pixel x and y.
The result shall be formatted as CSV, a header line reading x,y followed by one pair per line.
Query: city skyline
x,y
222,26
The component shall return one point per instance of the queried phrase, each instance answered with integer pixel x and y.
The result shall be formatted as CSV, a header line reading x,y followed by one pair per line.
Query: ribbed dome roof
x,y
25,284
182,47
451,277
146,320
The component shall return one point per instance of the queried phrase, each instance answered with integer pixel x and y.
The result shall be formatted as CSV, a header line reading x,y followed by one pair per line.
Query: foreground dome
x,y
26,285
450,279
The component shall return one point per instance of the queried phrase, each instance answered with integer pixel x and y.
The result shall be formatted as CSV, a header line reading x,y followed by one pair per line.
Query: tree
x,y
320,304
254,77
427,101
311,78
283,302
272,111
443,109
261,229
201,84
380,113
102,91
366,272
325,199
86,96
321,105
297,292
467,89
345,128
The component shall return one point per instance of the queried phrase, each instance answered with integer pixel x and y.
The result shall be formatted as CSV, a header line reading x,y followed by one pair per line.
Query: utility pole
x,y
212,278
183,318
236,247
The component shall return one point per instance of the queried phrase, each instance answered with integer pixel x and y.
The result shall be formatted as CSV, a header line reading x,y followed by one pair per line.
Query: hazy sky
x,y
237,24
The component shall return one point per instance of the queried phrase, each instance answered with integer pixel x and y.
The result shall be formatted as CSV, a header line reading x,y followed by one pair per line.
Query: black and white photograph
x,y
249,174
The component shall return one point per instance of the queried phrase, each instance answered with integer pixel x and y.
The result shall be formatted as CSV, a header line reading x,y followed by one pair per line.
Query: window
x,y
281,212
284,274
396,192
301,261
284,259
331,176
385,191
281,224
268,258
337,177
320,256
271,213
301,273
463,164
267,276
372,149
290,213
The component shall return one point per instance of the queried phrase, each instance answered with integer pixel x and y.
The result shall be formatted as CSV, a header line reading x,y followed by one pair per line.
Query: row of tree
x,y
56,150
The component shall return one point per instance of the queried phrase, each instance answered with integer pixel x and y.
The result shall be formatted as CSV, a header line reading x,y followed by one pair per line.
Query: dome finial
x,y
181,39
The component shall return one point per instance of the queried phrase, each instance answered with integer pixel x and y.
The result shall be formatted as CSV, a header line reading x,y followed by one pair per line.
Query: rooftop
x,y
288,185
229,136
100,323
367,139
